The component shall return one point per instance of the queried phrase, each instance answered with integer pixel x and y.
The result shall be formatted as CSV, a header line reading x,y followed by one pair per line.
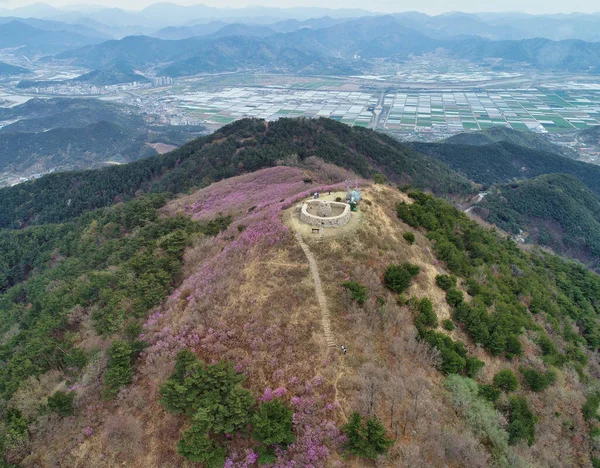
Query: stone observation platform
x,y
323,213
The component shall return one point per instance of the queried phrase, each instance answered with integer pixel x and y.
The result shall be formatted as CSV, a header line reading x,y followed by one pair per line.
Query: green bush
x,y
62,403
426,317
590,407
538,381
196,445
448,325
445,282
453,353
118,373
489,392
14,432
480,416
409,237
506,380
217,225
398,277
522,421
358,292
454,297
379,178
365,438
595,432
132,330
473,366
513,347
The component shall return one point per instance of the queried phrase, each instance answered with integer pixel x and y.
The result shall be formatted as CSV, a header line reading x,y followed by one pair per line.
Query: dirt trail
x,y
314,271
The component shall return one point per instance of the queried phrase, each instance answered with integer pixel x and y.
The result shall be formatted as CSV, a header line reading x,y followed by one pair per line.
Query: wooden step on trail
x,y
314,271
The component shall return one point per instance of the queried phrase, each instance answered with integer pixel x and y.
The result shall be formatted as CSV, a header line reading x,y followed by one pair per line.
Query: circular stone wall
x,y
340,213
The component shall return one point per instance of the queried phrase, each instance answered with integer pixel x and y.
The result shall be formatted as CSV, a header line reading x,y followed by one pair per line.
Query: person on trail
x,y
344,349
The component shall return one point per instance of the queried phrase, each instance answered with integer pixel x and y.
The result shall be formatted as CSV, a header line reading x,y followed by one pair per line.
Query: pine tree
x,y
366,439
273,424
197,446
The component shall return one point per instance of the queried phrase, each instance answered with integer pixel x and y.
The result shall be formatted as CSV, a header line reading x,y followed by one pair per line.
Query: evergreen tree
x,y
521,421
118,373
273,424
196,445
398,277
62,403
506,380
366,438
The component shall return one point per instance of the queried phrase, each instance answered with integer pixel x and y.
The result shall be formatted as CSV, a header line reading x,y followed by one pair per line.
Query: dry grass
x,y
263,315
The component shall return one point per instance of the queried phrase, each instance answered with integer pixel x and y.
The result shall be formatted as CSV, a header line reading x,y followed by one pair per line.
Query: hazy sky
x,y
427,6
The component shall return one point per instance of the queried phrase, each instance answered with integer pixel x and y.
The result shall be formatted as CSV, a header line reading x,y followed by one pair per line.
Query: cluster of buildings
x,y
161,81
85,89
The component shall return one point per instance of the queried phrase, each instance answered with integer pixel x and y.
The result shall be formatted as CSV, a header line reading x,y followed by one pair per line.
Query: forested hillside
x,y
62,134
66,148
590,136
536,311
557,211
526,139
244,146
504,162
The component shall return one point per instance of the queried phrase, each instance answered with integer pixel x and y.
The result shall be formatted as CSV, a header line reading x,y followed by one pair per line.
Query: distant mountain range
x,y
117,22
345,48
325,45
221,29
198,55
31,41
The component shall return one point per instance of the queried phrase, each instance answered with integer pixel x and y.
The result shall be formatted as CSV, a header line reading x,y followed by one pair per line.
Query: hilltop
x,y
590,136
38,115
120,324
66,148
116,74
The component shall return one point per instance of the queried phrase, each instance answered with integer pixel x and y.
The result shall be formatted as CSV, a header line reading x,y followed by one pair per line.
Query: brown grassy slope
x,y
259,310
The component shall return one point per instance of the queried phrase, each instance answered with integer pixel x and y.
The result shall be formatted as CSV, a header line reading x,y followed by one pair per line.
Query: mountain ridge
x,y
217,156
370,38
